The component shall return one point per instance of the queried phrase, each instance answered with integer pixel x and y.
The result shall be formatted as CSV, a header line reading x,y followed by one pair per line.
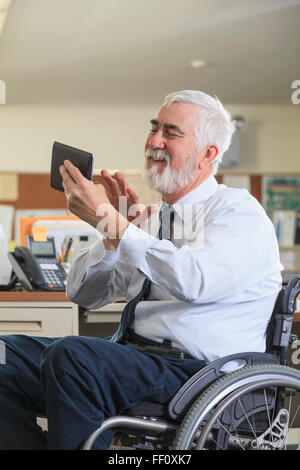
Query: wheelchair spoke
x,y
289,425
245,414
252,414
295,415
222,448
232,437
237,436
275,400
269,419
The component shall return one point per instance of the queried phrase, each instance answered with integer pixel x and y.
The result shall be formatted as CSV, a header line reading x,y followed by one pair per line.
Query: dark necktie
x,y
166,216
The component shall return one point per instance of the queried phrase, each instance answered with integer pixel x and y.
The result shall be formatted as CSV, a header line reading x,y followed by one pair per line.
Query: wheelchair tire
x,y
198,422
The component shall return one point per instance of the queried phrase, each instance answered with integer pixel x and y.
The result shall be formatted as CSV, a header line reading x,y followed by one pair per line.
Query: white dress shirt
x,y
213,290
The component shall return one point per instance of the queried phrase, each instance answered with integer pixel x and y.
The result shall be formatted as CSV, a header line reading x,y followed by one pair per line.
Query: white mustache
x,y
157,154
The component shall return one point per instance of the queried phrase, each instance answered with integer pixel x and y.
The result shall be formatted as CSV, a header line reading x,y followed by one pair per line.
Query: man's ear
x,y
209,156
211,153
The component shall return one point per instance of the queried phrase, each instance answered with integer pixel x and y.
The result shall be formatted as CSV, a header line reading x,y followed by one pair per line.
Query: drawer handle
x,y
16,325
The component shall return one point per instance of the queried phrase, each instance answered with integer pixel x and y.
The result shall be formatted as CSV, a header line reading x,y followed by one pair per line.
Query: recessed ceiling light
x,y
4,6
197,63
2,19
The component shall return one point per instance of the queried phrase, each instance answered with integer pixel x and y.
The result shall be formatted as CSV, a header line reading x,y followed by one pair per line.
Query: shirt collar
x,y
195,198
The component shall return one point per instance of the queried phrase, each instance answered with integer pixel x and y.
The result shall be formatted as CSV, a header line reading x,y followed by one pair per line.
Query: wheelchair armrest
x,y
204,377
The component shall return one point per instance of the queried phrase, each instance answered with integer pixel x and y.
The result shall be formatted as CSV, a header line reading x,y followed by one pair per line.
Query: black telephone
x,y
37,268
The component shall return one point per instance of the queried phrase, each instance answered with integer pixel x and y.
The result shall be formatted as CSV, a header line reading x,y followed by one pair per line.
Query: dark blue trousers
x,y
77,382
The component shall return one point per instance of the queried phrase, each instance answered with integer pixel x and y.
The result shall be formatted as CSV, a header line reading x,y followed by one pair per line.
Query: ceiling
x,y
137,51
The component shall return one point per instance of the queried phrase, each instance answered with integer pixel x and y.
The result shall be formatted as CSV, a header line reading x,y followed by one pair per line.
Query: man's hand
x,y
102,208
90,203
125,200
83,196
120,195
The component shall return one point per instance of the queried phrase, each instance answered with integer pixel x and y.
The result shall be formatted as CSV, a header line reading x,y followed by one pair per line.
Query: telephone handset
x,y
37,268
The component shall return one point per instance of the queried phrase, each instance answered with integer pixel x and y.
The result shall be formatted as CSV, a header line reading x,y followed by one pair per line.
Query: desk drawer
x,y
33,321
110,313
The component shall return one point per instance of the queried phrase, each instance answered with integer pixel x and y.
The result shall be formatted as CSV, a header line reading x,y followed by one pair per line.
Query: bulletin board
x,y
281,193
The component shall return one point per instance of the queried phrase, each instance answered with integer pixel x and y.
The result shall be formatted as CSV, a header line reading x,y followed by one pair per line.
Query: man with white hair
x,y
200,275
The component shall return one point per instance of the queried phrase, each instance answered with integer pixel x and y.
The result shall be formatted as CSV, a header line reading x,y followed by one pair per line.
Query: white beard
x,y
168,181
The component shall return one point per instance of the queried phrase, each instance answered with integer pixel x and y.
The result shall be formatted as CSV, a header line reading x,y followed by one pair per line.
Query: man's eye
x,y
167,133
170,134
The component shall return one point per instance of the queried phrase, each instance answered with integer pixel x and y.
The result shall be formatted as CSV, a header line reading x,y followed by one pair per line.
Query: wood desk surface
x,y
27,296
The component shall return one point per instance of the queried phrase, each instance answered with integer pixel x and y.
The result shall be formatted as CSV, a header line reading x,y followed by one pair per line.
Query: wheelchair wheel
x,y
251,409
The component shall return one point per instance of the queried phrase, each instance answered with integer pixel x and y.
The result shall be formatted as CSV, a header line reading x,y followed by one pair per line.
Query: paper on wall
x,y
237,181
9,187
39,234
285,227
28,213
62,229
5,266
6,219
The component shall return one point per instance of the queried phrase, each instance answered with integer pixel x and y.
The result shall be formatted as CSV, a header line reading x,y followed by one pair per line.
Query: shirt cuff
x,y
134,245
100,260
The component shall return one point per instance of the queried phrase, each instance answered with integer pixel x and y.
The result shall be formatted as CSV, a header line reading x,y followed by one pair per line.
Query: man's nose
x,y
157,140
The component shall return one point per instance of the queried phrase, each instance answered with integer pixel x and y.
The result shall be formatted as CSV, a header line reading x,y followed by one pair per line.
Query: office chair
x,y
251,408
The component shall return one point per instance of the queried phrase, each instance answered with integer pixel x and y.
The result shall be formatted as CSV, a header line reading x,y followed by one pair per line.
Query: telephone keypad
x,y
55,275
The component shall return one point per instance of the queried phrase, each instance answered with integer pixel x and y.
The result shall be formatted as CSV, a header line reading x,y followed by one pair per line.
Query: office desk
x,y
52,314
48,314
111,313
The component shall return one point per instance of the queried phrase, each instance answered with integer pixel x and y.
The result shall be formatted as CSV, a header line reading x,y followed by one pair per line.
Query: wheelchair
x,y
251,408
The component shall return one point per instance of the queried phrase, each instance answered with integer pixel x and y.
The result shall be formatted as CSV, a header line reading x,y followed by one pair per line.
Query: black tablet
x,y
80,158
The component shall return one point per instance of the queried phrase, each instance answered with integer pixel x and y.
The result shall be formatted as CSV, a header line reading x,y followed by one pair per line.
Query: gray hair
x,y
214,126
